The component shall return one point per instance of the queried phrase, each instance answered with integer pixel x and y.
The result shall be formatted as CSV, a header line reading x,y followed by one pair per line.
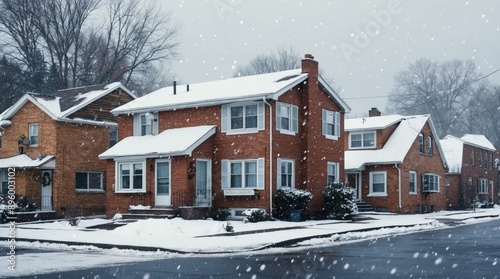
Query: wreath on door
x,y
46,179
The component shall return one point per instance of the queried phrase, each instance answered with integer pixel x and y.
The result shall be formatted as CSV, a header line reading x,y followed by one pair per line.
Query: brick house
x,y
228,143
53,142
395,162
472,173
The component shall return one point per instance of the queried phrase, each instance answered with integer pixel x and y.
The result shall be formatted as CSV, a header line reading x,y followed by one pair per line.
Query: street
x,y
470,251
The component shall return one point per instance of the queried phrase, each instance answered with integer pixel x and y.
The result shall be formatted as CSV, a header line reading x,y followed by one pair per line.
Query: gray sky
x,y
217,35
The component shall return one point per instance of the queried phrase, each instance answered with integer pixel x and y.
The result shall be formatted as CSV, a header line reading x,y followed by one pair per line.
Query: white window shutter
x,y
225,174
295,119
261,116
278,174
323,122
155,124
137,124
337,124
224,118
278,116
260,173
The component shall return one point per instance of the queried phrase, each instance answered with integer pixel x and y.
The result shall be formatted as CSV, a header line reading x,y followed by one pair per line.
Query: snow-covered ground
x,y
190,237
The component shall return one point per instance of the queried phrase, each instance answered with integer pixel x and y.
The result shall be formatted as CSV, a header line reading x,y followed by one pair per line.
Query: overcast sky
x,y
217,35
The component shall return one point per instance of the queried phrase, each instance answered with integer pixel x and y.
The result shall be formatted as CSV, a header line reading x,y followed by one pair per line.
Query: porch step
x,y
364,206
161,212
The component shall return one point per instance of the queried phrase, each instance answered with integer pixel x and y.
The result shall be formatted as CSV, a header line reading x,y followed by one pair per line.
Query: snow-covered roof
x,y
24,161
453,151
371,123
171,142
247,88
479,141
65,102
396,147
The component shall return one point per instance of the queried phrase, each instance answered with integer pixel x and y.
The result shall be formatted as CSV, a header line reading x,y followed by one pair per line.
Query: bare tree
x,y
441,90
279,60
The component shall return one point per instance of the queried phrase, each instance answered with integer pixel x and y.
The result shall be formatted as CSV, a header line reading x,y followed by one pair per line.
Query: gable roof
x,y
453,149
65,102
397,146
246,88
165,144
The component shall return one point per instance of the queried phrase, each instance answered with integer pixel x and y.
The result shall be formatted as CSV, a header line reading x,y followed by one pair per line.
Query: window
x,y
472,158
89,181
413,182
469,182
378,183
421,143
145,124
113,135
332,173
33,134
5,181
331,124
480,159
243,174
430,183
429,146
247,117
486,160
286,173
287,118
131,177
482,186
362,140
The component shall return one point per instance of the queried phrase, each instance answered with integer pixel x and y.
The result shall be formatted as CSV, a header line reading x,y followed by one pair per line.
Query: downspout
x,y
399,186
270,156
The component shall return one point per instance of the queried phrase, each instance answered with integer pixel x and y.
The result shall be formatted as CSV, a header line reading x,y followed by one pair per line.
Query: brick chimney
x,y
309,65
374,112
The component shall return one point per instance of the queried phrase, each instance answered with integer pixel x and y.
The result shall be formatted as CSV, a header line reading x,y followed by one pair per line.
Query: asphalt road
x,y
471,251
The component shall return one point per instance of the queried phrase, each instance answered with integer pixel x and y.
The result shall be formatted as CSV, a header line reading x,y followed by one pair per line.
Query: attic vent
x,y
287,78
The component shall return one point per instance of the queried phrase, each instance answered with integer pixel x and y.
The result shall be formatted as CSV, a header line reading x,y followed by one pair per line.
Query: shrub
x,y
287,200
255,215
222,214
339,202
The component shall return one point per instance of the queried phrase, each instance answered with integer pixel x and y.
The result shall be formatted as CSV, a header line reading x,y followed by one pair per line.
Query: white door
x,y
46,201
162,193
203,183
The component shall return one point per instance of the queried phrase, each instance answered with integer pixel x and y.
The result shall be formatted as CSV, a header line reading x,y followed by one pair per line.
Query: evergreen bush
x,y
287,200
339,202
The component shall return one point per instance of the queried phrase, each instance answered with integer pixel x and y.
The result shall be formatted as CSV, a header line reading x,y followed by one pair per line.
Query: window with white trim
x,y
332,173
331,124
421,143
145,124
131,176
362,140
482,186
89,181
286,173
430,182
287,118
242,117
33,134
429,146
413,182
241,174
113,135
472,158
378,183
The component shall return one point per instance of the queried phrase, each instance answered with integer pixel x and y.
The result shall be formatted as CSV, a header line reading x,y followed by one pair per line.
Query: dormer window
x,y
145,124
362,140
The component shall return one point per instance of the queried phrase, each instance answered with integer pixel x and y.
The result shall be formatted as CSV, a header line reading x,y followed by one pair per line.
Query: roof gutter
x,y
399,187
270,155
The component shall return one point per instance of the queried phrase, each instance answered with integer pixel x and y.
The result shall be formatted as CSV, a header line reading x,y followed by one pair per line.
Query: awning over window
x,y
24,161
171,142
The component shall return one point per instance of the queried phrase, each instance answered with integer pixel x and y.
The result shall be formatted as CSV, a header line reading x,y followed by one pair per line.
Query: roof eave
x,y
344,107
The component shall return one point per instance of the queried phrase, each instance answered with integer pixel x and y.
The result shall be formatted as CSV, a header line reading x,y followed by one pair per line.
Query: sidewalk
x,y
208,236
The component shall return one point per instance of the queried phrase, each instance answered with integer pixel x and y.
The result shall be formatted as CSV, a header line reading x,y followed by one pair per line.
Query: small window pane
x,y
236,117
81,180
95,180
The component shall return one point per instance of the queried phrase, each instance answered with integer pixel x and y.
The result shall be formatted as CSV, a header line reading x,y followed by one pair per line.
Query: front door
x,y
203,183
46,199
354,181
162,196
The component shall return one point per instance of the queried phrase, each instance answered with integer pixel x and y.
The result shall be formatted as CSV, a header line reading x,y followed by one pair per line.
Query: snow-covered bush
x,y
287,200
256,215
222,214
339,202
